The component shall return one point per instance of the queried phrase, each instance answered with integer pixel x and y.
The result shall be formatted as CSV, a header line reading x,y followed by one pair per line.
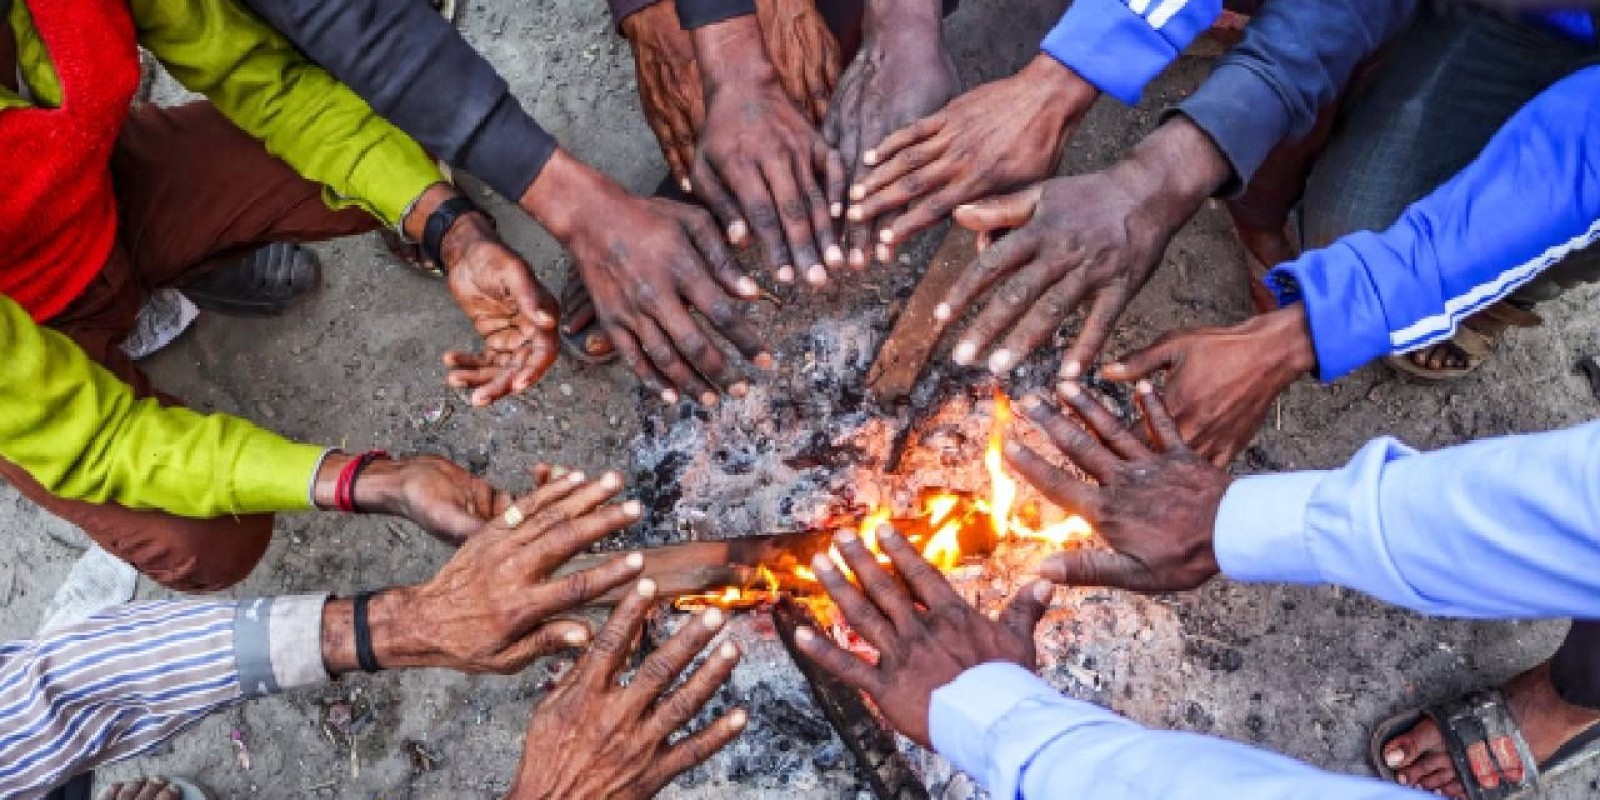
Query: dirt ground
x,y
1303,671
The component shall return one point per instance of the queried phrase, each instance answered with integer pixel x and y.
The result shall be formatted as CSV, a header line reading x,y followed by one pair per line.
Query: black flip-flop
x,y
262,283
576,342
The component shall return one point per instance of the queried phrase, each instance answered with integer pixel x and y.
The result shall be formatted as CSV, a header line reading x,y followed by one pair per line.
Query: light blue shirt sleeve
x,y
1529,199
1499,528
1120,45
1022,740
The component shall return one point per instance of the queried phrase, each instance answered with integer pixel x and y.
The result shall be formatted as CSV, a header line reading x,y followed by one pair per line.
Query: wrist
x,y
390,625
903,18
378,489
648,23
566,191
1173,171
1286,335
1056,92
731,52
417,218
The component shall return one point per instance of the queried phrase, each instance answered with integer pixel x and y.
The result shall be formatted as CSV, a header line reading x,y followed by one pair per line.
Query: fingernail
x,y
668,396
646,588
1144,387
1400,778
633,509
820,563
835,210
967,207
1000,361
708,398
804,634
941,312
1031,401
883,253
611,480
543,319
737,231
739,389
576,638
1116,366
816,275
738,718
870,157
1071,370
858,257
728,650
764,360
577,477
1394,757
963,353
886,235
685,185
1043,590
712,619
1012,448
1069,389
887,531
857,214
786,274
834,255
633,560
844,536
747,288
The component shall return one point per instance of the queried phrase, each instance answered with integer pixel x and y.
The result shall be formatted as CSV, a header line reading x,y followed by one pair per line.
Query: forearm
x,y
413,67
1296,58
1463,531
1524,203
1022,739
1119,50
82,434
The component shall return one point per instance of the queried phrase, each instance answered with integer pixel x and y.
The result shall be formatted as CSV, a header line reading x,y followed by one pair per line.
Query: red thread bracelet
x,y
344,490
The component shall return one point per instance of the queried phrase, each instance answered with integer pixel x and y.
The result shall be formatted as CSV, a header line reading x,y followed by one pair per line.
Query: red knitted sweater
x,y
58,216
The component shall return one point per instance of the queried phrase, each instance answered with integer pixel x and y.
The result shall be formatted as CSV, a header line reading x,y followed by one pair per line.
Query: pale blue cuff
x,y
963,711
1261,534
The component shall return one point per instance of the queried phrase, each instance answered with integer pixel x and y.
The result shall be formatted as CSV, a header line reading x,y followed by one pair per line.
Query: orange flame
x,y
1002,489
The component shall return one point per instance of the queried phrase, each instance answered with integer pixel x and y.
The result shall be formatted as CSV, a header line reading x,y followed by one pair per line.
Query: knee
x,y
228,554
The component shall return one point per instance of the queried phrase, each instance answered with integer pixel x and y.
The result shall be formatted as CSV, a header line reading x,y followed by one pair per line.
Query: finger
x,y
924,213
1043,318
695,748
678,708
882,230
926,582
831,164
474,376
578,314
662,349
150,789
709,188
880,587
547,639
560,543
1061,487
915,133
541,474
1105,425
845,666
557,484
538,309
862,615
912,174
542,353
749,185
806,172
1079,445
633,355
1163,430
725,315
598,668
1005,258
585,497
1086,567
794,209
1163,355
1097,325
662,669
1013,298
1003,212
724,266
694,343
1023,612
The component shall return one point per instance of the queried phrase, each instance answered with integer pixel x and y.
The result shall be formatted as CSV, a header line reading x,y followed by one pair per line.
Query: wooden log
x,y
905,353
878,759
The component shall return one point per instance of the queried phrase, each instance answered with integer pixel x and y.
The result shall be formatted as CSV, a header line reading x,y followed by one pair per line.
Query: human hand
x,y
647,263
758,158
901,74
494,606
925,637
1156,505
437,494
1221,381
992,139
802,51
591,738
1082,240
669,82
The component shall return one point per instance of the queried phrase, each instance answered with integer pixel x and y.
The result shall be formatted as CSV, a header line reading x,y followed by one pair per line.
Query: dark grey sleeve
x,y
1296,57
699,13
412,67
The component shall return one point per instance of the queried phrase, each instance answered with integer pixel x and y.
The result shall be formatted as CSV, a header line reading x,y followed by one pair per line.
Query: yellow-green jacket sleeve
x,y
80,432
260,81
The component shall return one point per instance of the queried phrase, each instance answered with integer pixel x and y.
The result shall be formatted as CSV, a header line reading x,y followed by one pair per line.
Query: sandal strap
x,y
1481,717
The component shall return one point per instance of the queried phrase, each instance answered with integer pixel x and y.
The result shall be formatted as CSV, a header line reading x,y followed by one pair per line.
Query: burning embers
x,y
950,528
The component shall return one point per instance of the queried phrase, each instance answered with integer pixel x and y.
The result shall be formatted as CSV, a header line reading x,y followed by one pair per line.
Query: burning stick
x,y
903,355
877,758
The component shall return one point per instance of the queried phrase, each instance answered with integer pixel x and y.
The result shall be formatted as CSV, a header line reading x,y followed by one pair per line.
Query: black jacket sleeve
x,y
412,67
1296,57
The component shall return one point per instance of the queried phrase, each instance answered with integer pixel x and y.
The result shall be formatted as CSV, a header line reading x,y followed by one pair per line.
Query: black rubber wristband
x,y
365,658
439,223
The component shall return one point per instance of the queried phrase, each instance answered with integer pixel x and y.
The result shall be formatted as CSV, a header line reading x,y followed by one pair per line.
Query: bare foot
x,y
1420,759
578,313
1264,249
1445,355
145,789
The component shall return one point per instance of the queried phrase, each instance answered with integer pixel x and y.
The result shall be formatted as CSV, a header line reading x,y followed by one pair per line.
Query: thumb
x,y
1162,355
1027,607
1000,212
1095,568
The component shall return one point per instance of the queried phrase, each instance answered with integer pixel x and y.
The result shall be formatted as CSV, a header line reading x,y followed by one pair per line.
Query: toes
x,y
1433,771
1403,750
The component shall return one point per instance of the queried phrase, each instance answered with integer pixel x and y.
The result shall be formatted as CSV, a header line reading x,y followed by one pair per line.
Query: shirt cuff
x,y
1243,115
963,710
1344,308
278,641
700,13
509,150
271,473
1109,46
1260,532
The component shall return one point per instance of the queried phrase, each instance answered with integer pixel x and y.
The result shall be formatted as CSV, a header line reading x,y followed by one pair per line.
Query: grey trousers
x,y
1445,86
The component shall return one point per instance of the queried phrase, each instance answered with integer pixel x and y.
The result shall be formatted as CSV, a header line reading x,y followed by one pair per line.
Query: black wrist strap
x,y
365,658
444,217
